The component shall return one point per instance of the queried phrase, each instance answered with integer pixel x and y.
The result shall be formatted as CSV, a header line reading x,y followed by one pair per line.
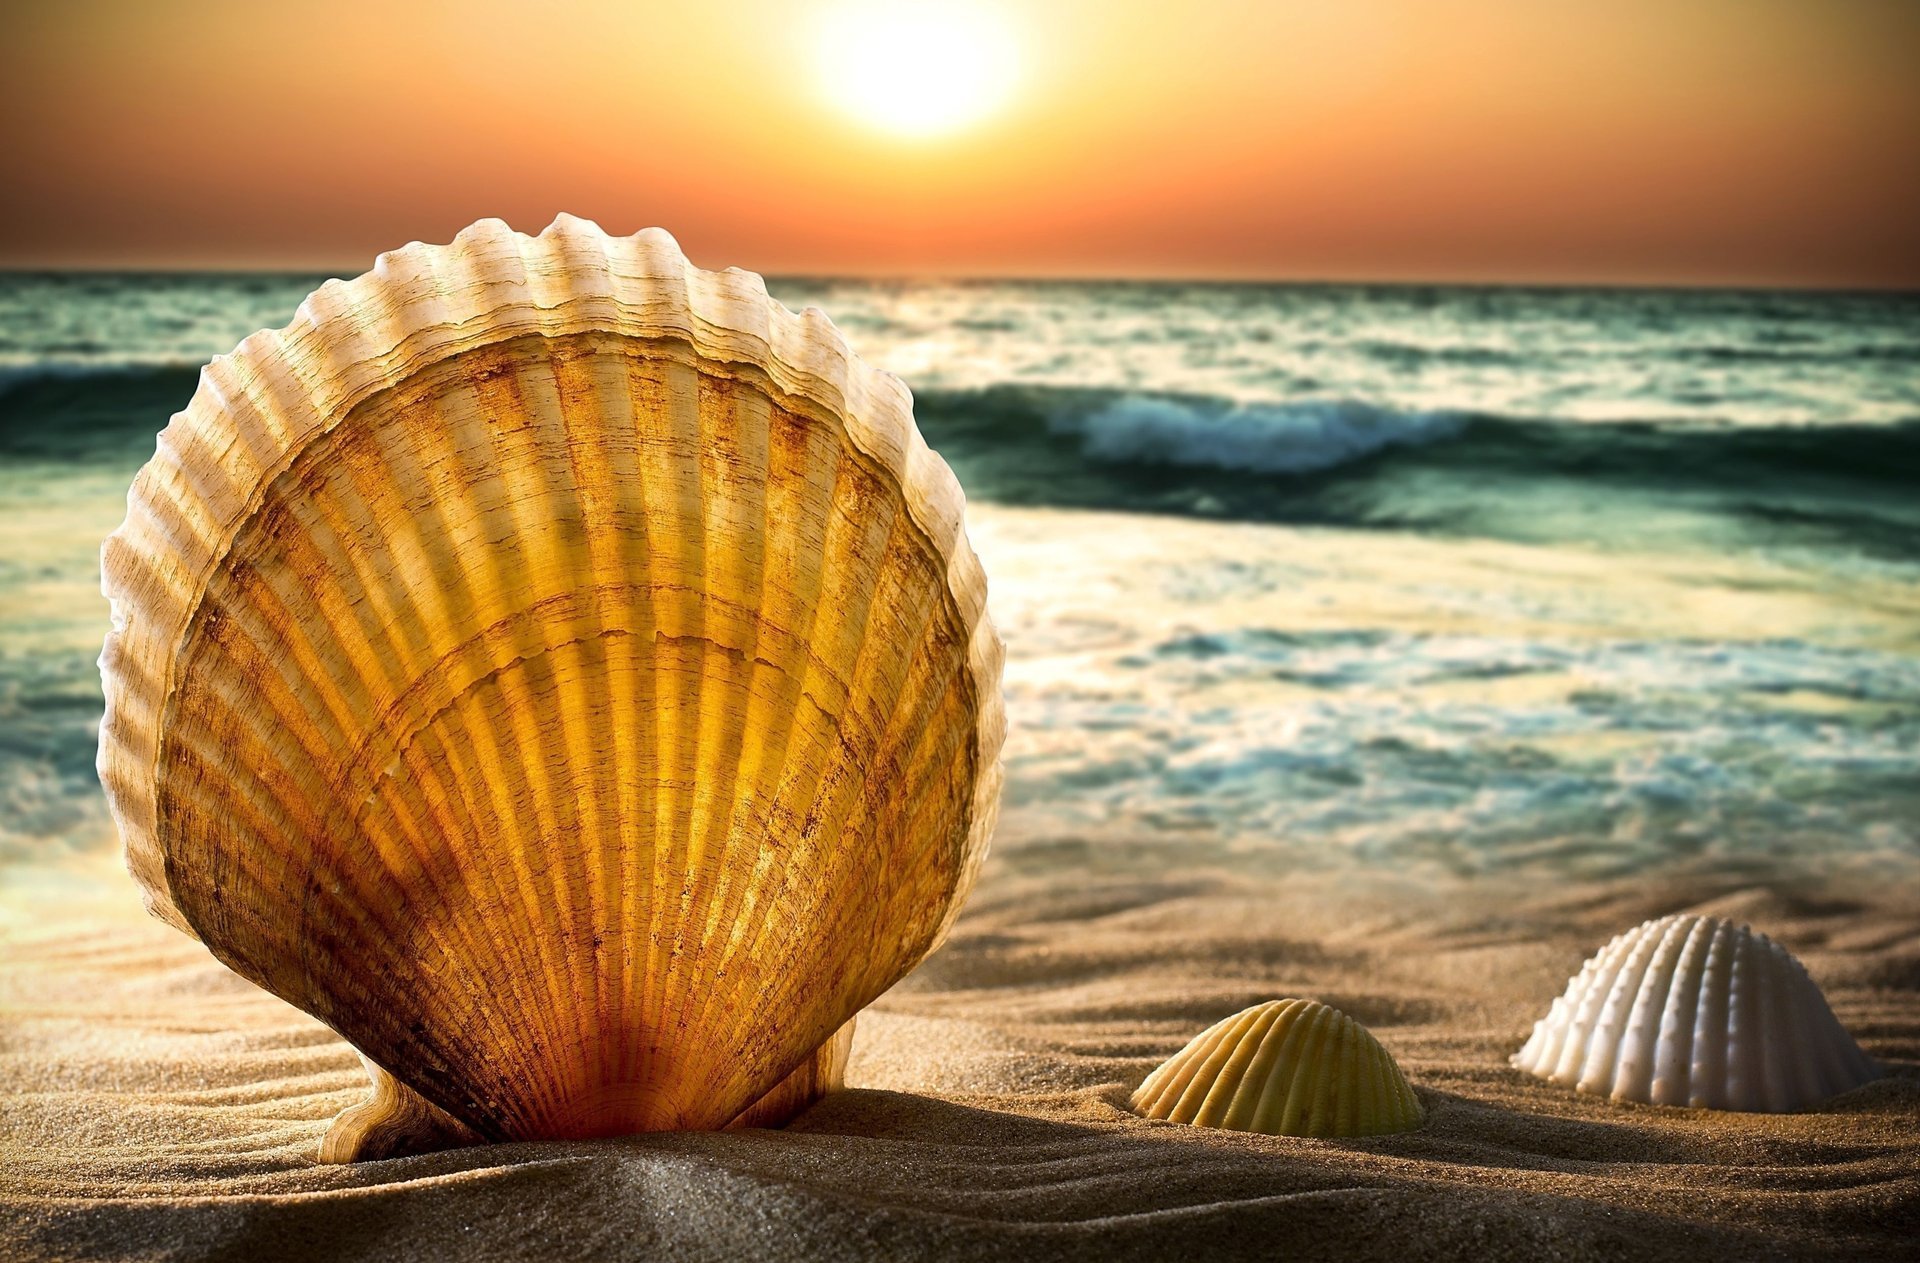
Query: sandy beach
x,y
156,1106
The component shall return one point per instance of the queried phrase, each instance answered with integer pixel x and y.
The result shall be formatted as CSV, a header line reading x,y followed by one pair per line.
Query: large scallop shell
x,y
1696,1011
563,672
1286,1068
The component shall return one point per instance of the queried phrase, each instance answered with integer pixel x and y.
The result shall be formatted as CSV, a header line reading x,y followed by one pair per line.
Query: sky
x,y
1721,142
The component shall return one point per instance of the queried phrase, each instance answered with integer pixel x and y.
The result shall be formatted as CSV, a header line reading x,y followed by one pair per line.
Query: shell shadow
x,y
1587,1134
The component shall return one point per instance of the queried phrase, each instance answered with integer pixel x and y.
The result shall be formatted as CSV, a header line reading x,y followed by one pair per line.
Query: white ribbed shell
x,y
1696,1011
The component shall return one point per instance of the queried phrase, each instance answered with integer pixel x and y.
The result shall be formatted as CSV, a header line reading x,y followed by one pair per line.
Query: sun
x,y
918,68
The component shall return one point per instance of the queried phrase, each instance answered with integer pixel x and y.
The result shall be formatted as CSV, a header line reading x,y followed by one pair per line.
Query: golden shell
x,y
1285,1068
1696,1011
562,671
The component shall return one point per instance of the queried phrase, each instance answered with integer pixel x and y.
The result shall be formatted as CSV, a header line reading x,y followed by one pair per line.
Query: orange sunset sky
x,y
1624,141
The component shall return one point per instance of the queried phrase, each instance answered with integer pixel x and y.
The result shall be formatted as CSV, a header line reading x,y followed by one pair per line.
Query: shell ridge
x,y
920,938
1776,1091
1321,1093
1627,1005
1277,1090
284,745
505,754
634,739
1710,1022
1605,1064
1368,1060
249,363
613,809
682,794
776,749
492,758
1195,1059
827,812
1635,1067
1806,1058
1741,1003
1585,1004
425,778
804,784
677,616
486,783
1231,1084
1157,1084
1372,1089
560,810
728,748
1362,1062
906,727
984,657
1673,1046
1259,1069
1344,1082
129,727
858,686
171,475
233,410
1299,1107
585,430
1212,1050
1617,1012
1396,1097
1588,1058
862,823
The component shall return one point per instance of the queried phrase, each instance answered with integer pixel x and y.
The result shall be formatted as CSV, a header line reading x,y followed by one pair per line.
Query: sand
x,y
156,1106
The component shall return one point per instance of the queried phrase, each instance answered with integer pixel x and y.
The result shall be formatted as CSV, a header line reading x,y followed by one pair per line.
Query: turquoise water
x,y
1471,575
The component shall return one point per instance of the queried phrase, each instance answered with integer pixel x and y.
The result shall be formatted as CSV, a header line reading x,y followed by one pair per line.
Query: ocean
x,y
1596,581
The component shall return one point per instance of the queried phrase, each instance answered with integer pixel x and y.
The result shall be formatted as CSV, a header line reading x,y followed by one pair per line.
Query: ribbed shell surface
x,y
1285,1068
559,669
1696,1011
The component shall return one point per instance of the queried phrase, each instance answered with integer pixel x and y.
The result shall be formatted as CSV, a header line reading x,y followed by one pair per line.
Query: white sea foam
x,y
1335,697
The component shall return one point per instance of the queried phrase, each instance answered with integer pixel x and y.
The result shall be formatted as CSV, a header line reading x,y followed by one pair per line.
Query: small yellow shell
x,y
1286,1068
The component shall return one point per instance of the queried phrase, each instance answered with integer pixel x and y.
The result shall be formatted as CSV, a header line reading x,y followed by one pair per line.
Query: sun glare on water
x,y
918,69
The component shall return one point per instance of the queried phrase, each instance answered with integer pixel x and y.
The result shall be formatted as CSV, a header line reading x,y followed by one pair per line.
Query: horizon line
x,y
1892,289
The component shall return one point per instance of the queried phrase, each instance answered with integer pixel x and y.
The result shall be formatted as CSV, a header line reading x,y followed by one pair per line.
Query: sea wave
x,y
1346,462
102,411
1314,436
1261,438
16,374
1311,460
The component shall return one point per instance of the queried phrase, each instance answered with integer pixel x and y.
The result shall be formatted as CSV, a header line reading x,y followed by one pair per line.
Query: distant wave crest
x,y
1261,438
15,376
1651,483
